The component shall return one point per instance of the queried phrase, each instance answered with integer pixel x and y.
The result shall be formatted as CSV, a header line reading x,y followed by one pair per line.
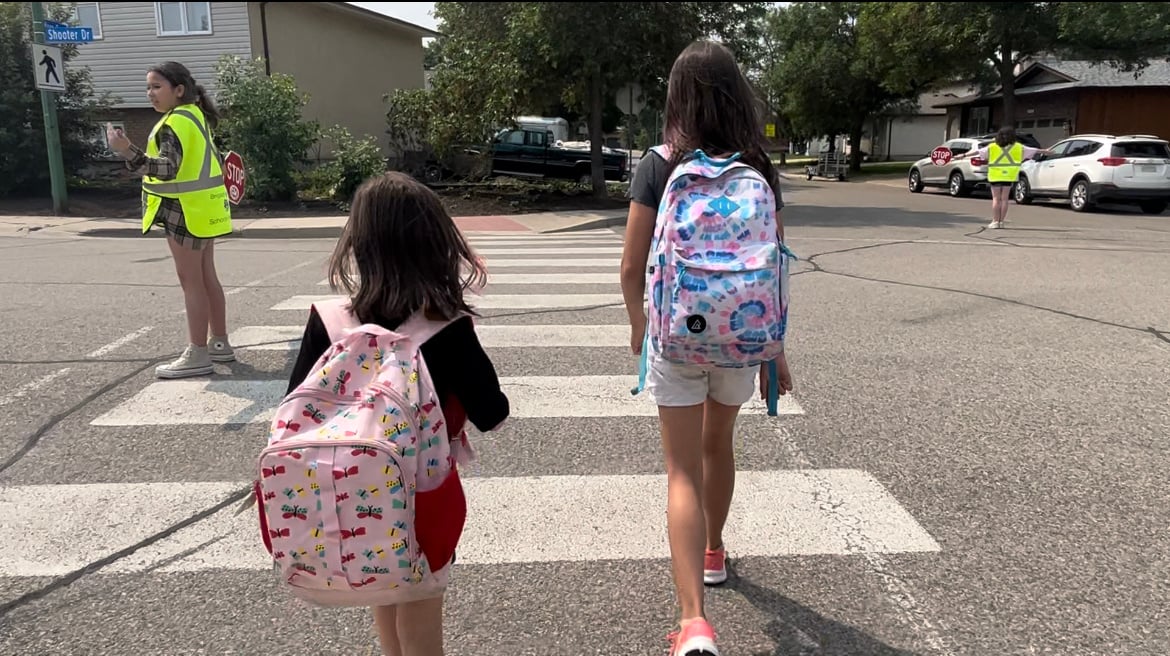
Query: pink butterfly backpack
x,y
359,496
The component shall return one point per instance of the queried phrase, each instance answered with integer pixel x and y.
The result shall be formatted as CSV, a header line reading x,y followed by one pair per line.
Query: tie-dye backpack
x,y
718,272
359,497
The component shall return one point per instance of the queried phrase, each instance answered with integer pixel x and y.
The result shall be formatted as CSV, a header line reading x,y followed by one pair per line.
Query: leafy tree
x,y
262,122
1127,33
496,60
24,166
590,50
829,72
968,36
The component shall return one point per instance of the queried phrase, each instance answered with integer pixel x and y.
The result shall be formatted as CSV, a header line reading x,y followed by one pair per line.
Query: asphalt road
x,y
974,464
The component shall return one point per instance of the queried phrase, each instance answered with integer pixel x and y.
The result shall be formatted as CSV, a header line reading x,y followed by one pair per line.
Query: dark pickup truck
x,y
532,153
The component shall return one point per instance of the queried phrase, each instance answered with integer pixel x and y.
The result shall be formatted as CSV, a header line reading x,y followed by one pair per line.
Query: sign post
x,y
234,177
49,72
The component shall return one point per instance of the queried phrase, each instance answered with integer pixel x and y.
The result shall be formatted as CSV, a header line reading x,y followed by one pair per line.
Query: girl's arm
x,y
163,167
456,355
643,215
314,343
978,152
639,232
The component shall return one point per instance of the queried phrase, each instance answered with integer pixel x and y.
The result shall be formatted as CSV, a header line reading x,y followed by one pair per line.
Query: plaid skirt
x,y
174,224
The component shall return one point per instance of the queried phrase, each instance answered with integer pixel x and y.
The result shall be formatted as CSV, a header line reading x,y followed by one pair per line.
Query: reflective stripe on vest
x,y
198,185
1005,164
205,180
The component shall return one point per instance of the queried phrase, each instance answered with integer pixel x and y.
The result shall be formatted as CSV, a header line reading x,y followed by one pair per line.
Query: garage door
x,y
1046,130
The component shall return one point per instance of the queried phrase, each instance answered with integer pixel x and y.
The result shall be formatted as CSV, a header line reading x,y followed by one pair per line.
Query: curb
x,y
255,233
324,232
607,222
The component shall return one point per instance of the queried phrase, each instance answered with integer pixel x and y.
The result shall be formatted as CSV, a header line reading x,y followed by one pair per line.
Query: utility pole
x,y
52,128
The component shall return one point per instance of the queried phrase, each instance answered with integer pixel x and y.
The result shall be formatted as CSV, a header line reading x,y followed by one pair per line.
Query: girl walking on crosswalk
x,y
710,108
401,257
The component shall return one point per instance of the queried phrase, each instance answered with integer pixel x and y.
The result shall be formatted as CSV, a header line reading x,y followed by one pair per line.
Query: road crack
x,y
817,268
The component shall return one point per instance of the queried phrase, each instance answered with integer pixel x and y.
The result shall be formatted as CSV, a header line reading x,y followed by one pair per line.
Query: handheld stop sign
x,y
234,177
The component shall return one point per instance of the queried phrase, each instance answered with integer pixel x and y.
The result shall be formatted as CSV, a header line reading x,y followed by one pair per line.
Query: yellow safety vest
x,y
198,184
1005,164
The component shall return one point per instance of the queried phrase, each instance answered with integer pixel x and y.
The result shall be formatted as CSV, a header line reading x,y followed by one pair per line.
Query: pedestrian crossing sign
x,y
48,67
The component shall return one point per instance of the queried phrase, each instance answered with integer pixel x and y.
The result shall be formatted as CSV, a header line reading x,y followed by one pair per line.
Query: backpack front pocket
x,y
725,308
341,516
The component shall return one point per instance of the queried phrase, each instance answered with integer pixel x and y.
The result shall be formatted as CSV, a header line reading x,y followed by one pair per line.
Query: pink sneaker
x,y
715,566
696,638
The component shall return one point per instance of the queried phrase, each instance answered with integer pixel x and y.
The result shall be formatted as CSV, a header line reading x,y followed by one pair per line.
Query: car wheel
x,y
957,187
1078,196
1153,206
432,174
1023,192
915,182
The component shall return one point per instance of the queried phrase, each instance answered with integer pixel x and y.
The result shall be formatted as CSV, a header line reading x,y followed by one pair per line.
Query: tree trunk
x,y
596,138
855,145
1007,80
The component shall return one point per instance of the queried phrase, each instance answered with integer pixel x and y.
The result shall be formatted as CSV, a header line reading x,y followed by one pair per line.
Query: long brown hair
x,y
193,92
1006,136
711,105
406,251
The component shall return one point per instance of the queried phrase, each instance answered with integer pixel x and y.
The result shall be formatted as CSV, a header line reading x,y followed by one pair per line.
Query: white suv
x,y
1095,168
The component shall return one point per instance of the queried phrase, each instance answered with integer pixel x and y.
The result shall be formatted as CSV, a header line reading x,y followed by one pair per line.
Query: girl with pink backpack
x,y
402,349
704,238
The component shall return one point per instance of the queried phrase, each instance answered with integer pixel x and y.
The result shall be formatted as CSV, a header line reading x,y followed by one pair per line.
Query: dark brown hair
x,y
193,92
1006,136
407,251
711,105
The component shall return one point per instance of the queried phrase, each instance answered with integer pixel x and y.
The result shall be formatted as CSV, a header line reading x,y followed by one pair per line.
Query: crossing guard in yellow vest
x,y
183,191
1005,155
198,184
1004,164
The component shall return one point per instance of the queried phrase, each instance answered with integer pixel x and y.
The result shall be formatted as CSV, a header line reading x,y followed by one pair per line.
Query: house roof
x,y
390,20
1057,75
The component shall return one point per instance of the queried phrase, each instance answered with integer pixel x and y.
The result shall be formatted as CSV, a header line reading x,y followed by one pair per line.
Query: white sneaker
x,y
220,350
995,225
193,362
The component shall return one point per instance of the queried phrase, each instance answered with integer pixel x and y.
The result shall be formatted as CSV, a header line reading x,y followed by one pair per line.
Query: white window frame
x,y
98,34
186,31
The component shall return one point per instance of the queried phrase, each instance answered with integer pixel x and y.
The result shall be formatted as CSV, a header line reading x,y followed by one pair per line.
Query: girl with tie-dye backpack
x,y
704,238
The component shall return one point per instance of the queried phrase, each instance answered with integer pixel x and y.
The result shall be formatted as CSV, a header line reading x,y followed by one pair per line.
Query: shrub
x,y
353,162
262,122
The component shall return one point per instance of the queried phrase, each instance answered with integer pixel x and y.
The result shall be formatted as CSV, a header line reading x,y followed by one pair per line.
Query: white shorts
x,y
677,385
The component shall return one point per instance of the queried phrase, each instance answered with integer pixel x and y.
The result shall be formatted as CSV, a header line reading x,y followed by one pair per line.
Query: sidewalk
x,y
313,227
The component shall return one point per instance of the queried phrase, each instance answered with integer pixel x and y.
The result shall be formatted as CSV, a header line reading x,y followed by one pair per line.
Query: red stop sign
x,y
234,177
940,155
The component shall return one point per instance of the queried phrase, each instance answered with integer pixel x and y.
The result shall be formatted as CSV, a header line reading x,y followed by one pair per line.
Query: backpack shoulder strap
x,y
336,316
420,329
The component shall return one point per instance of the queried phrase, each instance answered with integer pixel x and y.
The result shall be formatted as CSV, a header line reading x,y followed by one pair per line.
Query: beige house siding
x,y
912,135
131,44
344,59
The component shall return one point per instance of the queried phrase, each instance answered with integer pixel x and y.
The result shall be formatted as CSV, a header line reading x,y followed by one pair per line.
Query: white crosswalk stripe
x,y
489,302
775,513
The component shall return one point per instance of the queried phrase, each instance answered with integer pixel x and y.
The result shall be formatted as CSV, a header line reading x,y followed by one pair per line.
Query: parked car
x,y
1096,168
959,177
533,153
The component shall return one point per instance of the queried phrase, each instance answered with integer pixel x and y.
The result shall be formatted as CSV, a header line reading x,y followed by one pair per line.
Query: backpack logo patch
x,y
696,323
